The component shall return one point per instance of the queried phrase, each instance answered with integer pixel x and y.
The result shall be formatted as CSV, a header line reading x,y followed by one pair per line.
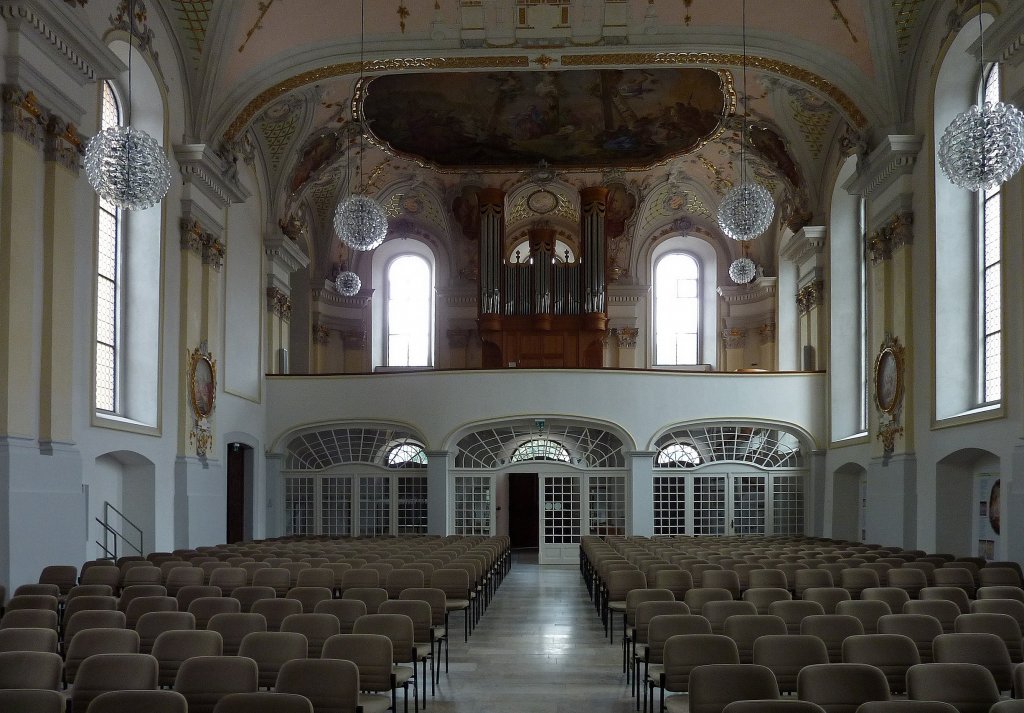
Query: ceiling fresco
x,y
629,118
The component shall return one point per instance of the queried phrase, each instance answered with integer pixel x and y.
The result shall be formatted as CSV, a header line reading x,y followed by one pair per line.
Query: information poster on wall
x,y
988,514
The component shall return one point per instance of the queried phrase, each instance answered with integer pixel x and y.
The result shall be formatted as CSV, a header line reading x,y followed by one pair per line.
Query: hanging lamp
x,y
124,165
743,270
983,146
359,220
347,282
746,210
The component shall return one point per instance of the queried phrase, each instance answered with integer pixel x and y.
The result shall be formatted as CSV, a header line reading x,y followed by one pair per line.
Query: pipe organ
x,y
542,309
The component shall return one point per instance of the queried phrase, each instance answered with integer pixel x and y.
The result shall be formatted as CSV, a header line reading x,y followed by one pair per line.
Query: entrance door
x,y
563,518
729,504
523,510
236,494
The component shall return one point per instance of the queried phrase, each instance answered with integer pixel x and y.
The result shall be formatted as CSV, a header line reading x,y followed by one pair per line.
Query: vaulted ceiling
x,y
644,95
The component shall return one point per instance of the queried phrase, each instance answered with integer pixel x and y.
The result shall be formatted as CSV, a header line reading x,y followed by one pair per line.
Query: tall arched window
x,y
677,309
990,274
108,286
409,318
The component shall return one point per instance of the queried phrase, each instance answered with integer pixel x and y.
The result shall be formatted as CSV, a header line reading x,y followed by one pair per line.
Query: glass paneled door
x,y
729,504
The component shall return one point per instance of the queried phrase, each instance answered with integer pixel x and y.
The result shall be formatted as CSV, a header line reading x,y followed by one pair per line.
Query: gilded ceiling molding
x,y
194,16
136,26
267,96
893,235
853,112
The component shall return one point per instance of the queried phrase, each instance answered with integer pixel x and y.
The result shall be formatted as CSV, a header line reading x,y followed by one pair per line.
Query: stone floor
x,y
539,647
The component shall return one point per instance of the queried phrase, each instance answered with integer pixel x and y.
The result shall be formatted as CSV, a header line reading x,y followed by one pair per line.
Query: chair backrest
x,y
769,577
263,702
401,579
173,647
204,680
985,649
89,602
30,669
677,581
698,597
65,576
308,597
910,580
331,685
234,626
28,640
832,629
967,686
112,672
228,579
622,581
142,605
786,654
856,579
712,687
417,610
804,579
157,701
373,597
51,590
716,612
317,628
93,619
29,618
722,579
867,610
275,610
433,596
745,629
998,577
360,577
152,624
827,597
684,652
178,577
762,597
906,706
31,700
892,653
137,591
841,687
944,611
397,627
645,611
205,608
270,649
98,641
950,594
953,576
102,574
1012,607
315,577
893,596
275,577
453,582
922,629
1002,625
779,705
346,611
372,653
794,612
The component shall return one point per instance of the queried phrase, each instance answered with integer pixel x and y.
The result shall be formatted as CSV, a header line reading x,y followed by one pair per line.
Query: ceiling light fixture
x,y
746,210
348,283
983,146
124,165
359,220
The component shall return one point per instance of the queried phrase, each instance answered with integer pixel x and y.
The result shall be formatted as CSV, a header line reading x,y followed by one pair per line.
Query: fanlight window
x,y
540,449
678,455
579,445
325,448
746,443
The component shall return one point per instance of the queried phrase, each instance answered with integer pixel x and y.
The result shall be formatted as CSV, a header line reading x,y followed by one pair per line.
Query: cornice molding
x,y
763,289
805,244
1004,40
49,26
284,252
893,158
215,178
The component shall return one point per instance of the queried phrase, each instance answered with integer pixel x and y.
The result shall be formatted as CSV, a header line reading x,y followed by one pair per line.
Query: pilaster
x,y
283,257
641,468
200,501
437,492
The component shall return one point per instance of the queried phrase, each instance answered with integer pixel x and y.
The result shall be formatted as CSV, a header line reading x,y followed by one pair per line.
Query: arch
x,y
491,447
126,480
703,435
847,508
955,498
323,447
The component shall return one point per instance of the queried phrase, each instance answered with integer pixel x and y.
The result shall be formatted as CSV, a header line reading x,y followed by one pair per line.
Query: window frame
x,y
699,280
988,302
386,316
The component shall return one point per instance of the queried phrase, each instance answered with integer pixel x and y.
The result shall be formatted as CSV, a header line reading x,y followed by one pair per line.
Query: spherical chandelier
x,y
983,146
360,222
348,283
127,167
742,270
746,211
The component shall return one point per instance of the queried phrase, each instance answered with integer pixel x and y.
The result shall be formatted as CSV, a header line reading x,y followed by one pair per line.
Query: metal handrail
x,y
107,528
107,507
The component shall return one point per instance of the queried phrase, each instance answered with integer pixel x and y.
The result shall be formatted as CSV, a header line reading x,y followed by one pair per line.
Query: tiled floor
x,y
539,647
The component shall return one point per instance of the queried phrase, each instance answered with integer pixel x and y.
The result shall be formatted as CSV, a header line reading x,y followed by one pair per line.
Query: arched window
x,y
108,285
540,449
677,308
989,278
410,296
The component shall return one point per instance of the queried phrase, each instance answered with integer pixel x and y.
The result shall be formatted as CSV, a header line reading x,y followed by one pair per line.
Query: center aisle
x,y
539,648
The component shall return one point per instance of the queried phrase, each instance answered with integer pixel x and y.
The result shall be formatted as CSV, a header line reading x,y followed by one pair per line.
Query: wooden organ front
x,y
542,311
